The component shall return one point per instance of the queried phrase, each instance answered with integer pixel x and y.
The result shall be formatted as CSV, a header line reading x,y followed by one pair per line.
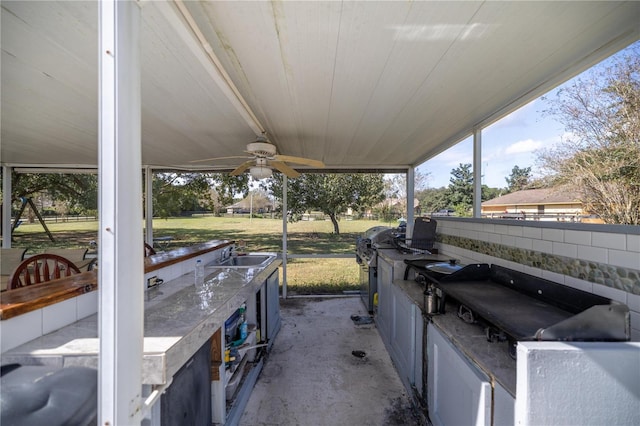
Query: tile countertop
x,y
178,318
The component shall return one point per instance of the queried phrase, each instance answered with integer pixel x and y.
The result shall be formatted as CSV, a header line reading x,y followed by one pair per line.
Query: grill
x,y
515,306
367,256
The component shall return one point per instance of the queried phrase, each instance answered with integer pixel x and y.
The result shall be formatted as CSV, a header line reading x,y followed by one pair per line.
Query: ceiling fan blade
x,y
218,158
241,168
299,160
284,169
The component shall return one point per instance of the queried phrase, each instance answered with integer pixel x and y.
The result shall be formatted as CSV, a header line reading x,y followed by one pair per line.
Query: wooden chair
x,y
78,256
148,250
41,268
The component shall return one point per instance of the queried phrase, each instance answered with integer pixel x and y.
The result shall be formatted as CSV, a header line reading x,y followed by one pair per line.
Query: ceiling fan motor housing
x,y
262,149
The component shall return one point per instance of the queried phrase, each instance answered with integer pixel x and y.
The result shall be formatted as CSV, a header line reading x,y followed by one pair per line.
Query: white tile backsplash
x,y
577,237
509,240
552,234
579,284
633,302
563,249
607,240
609,292
542,246
529,232
524,243
633,243
626,259
552,276
594,254
516,231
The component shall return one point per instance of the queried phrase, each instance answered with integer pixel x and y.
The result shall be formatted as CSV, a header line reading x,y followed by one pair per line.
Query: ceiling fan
x,y
264,158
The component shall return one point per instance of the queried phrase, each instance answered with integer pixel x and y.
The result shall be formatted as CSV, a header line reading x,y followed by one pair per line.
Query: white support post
x,y
284,236
6,206
477,173
410,196
121,274
148,205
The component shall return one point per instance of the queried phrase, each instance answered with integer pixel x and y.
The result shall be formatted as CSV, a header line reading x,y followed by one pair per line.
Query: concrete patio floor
x,y
312,378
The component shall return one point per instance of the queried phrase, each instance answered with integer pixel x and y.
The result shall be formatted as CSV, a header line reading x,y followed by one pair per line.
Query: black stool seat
x,y
41,395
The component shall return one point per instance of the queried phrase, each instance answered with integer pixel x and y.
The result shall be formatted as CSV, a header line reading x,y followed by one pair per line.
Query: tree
x,y
395,188
601,155
177,192
519,179
332,194
460,189
78,192
433,199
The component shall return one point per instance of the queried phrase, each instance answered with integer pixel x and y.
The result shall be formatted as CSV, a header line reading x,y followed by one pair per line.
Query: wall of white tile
x,y
611,245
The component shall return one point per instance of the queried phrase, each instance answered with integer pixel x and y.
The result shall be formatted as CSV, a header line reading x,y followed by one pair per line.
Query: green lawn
x,y
304,276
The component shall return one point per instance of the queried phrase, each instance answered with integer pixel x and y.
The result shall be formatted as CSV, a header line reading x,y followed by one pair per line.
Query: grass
x,y
304,276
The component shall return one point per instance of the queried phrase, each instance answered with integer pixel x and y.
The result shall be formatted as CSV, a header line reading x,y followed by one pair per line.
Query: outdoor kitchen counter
x,y
178,320
470,339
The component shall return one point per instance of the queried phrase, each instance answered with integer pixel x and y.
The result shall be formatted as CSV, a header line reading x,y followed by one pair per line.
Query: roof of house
x,y
553,195
259,201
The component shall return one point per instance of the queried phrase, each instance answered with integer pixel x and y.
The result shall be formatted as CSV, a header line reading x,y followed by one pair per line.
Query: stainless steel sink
x,y
246,261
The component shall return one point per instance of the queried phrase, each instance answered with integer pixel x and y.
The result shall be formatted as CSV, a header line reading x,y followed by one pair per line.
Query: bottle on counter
x,y
243,322
199,273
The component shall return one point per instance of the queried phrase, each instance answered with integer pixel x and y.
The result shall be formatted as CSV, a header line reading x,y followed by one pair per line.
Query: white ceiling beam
x,y
192,36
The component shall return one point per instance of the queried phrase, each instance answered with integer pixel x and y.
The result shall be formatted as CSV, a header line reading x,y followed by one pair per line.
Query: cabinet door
x,y
273,306
385,300
459,393
402,341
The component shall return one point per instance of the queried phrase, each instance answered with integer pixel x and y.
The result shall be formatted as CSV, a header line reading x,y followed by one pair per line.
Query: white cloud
x,y
524,146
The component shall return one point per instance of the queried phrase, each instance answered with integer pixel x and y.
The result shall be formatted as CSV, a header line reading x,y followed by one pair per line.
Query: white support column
x,y
477,172
411,176
6,206
120,313
148,205
284,236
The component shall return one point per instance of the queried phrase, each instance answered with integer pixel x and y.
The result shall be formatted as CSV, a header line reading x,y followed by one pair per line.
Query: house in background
x,y
256,203
560,204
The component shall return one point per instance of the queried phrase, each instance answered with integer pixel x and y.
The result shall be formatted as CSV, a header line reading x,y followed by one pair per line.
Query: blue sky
x,y
509,142
512,141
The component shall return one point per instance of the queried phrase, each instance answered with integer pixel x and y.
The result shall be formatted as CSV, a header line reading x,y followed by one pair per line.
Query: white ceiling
x,y
354,84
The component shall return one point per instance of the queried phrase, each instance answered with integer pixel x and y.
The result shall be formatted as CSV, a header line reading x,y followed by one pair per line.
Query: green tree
x,y
601,155
332,194
519,179
460,189
78,191
432,200
174,193
490,193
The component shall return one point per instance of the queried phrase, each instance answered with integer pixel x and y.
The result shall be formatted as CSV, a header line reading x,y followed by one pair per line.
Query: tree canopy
x,y
79,192
174,193
332,194
601,154
518,179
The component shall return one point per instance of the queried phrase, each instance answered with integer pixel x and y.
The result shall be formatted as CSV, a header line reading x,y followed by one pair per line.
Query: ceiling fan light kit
x,y
260,172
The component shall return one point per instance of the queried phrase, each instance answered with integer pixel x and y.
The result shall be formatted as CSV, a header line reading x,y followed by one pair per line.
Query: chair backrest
x,y
148,250
41,268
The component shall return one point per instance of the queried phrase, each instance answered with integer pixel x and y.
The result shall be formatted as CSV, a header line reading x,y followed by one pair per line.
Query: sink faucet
x,y
224,253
